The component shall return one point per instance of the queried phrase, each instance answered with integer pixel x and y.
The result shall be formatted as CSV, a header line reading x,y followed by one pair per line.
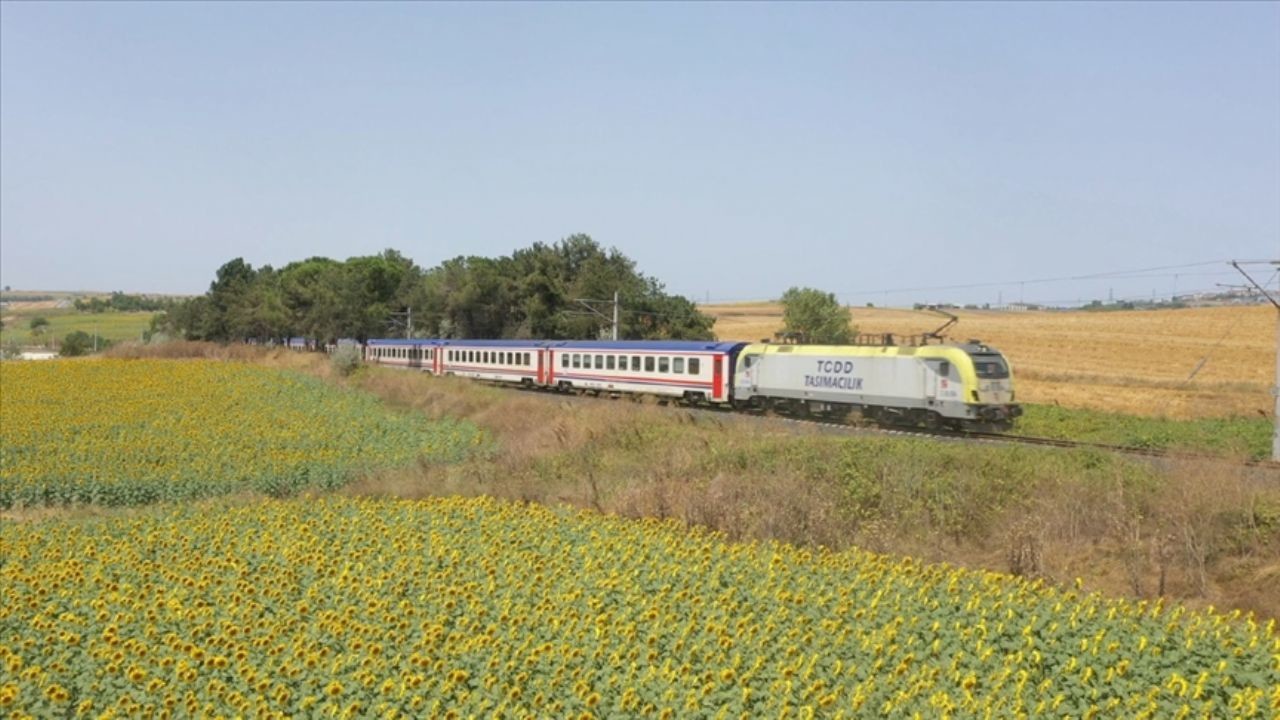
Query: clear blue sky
x,y
732,150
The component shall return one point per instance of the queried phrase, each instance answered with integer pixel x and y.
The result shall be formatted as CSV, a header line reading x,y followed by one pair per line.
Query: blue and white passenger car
x,y
420,354
512,361
696,371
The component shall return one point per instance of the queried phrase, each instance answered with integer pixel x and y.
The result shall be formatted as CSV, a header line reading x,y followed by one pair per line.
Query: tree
x,y
813,316
76,344
38,324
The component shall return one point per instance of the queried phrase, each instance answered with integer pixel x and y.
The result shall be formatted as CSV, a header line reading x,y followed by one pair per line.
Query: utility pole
x,y
1275,389
591,310
408,322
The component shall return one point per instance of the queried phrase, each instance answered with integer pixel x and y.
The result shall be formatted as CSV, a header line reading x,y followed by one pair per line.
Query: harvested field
x,y
1126,361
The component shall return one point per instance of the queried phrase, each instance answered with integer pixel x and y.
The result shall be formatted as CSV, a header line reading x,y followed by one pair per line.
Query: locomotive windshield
x,y
990,367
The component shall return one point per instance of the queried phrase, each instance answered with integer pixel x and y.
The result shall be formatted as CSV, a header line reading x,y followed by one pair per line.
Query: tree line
x,y
123,302
532,293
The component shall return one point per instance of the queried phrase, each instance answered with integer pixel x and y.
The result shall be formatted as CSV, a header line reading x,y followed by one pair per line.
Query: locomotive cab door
x,y
936,379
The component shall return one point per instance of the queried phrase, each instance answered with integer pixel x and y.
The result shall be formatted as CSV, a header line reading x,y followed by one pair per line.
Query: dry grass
x,y
1134,362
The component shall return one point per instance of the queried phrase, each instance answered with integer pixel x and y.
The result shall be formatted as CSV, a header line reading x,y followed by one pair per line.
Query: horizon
x,y
870,151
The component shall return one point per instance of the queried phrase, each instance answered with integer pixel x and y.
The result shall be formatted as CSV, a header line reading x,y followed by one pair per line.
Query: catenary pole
x,y
1275,389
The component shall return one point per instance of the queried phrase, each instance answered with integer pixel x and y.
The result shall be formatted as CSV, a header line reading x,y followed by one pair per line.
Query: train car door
x,y
935,378
717,378
551,366
539,354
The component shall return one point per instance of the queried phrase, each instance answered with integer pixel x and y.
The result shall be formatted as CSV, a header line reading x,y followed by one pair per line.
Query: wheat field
x,y
1138,362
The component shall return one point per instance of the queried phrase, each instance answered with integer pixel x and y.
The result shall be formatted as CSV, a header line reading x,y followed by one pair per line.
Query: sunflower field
x,y
128,432
456,607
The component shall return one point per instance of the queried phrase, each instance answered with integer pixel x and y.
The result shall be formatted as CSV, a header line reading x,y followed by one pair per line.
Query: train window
x,y
664,364
526,360
648,364
990,367
635,363
577,360
677,365
609,363
944,369
564,360
695,366
599,362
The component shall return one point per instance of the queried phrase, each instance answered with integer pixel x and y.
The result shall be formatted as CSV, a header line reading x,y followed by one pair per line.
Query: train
x,y
966,386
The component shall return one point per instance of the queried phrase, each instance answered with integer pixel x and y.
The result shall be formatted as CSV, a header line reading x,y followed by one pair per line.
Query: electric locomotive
x,y
965,386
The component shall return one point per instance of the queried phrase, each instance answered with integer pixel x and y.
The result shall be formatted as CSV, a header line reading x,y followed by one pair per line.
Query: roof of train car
x,y
670,345
403,341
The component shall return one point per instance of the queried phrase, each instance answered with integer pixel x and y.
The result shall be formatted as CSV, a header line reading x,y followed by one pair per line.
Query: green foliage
x,y
38,324
76,344
815,317
122,302
113,326
1240,436
531,293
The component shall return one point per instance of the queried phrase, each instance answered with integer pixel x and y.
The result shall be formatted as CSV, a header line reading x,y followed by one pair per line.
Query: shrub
x,y
346,359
